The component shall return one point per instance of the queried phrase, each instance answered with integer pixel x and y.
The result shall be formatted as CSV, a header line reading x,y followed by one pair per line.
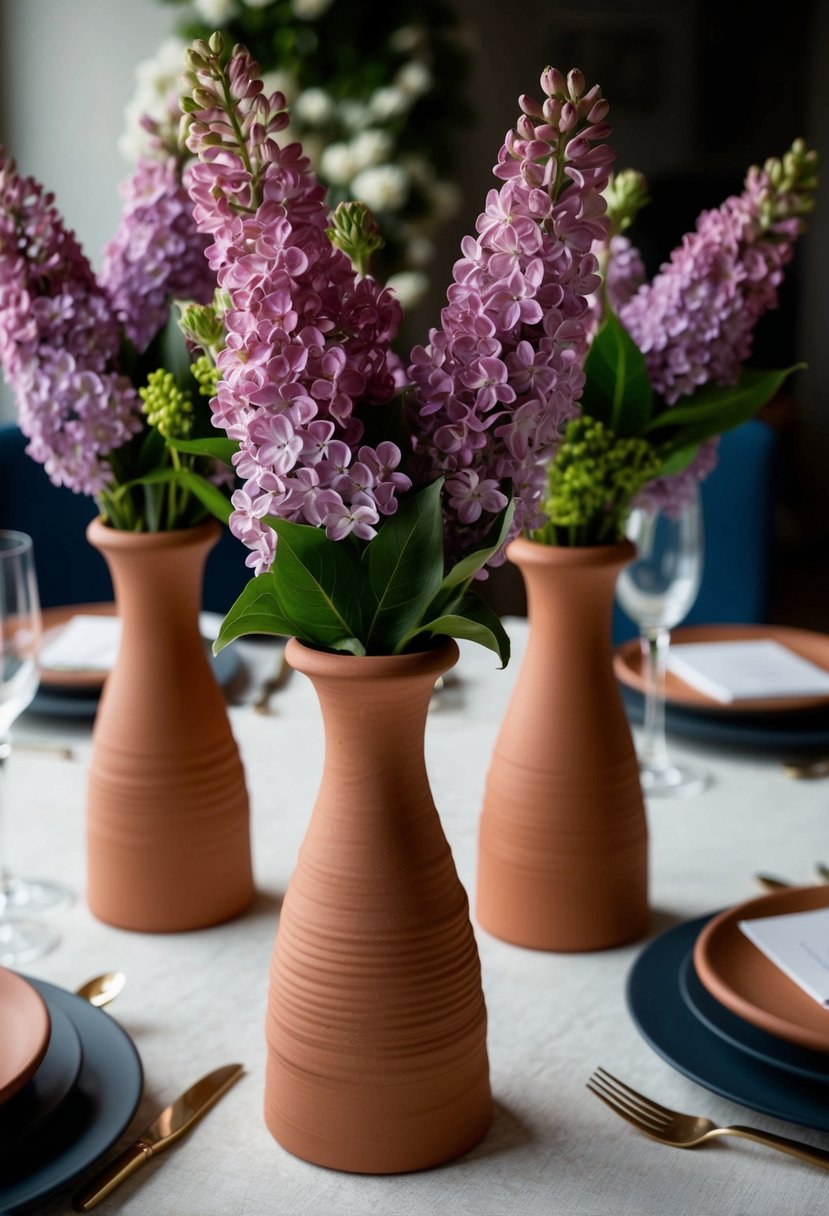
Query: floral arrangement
x,y
364,99
86,355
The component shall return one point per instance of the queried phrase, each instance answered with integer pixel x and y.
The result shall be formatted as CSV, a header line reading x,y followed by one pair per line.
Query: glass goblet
x,y
657,590
21,939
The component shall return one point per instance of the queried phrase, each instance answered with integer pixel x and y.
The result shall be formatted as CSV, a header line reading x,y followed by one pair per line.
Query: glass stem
x,y
653,753
5,876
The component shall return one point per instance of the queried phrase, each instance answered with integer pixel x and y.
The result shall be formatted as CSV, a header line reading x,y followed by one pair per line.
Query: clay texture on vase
x,y
563,848
168,838
376,1024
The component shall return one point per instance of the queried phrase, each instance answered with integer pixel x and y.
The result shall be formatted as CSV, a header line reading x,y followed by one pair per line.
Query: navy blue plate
x,y
743,1035
56,1074
90,1119
666,1022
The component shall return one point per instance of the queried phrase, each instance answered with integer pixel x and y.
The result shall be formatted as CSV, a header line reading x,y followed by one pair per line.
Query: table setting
x,y
428,925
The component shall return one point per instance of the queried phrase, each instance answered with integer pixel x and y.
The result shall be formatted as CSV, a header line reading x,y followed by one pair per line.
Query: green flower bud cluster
x,y
207,375
592,480
166,406
203,324
354,230
792,184
626,195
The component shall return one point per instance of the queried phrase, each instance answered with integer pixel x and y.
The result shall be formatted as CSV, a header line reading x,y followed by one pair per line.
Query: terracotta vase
x,y
376,1024
168,841
563,849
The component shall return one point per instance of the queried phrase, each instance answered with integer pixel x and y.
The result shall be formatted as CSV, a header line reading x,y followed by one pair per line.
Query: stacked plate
x,y
785,724
70,1082
717,1009
72,690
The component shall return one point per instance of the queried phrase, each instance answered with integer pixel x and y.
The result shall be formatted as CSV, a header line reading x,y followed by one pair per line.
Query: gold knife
x,y
172,1123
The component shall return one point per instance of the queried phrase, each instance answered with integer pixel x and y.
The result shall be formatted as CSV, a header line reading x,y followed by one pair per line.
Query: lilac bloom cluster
x,y
156,254
503,374
694,321
59,341
308,340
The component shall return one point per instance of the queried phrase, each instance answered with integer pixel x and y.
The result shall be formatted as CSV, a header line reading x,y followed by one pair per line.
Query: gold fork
x,y
686,1131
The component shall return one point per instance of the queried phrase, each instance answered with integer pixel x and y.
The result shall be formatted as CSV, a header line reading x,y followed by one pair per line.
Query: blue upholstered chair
x,y
69,570
738,509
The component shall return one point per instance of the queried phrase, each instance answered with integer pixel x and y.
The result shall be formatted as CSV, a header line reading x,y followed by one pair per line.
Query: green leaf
x,y
257,610
318,583
210,496
151,453
405,568
718,408
218,448
678,461
473,620
617,390
463,571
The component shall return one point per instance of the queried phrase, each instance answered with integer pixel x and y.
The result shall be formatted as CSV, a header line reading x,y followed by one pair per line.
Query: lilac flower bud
x,y
569,117
216,42
530,106
552,111
598,112
553,83
525,127
575,83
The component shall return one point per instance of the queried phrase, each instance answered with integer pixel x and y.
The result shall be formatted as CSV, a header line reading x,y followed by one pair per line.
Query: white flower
x,y
279,80
353,114
410,286
420,250
389,102
382,187
215,12
314,106
414,79
371,147
407,38
307,10
156,96
337,163
445,198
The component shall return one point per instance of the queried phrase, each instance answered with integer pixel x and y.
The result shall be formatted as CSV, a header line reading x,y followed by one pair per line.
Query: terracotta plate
x,y
740,976
24,1032
627,663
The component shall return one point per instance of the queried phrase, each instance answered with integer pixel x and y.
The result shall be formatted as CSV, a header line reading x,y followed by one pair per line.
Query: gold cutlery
x,y
46,749
771,883
687,1131
102,989
172,1123
806,770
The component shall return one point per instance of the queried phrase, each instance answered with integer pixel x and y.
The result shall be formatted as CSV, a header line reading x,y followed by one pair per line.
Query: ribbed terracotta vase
x,y
168,842
376,1024
563,849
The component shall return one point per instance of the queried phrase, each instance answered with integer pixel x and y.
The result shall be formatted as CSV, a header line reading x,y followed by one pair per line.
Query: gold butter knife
x,y
172,1123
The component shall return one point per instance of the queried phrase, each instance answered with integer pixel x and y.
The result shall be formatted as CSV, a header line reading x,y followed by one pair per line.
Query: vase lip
x,y
104,537
523,551
313,662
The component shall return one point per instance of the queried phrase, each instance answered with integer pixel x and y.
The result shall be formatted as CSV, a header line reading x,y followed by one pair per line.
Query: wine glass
x,y
656,590
21,938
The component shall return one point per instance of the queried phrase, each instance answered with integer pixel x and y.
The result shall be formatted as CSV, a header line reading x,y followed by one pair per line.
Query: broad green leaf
x,y
404,563
257,610
678,461
210,496
351,645
474,620
617,390
217,447
463,571
151,453
318,584
719,408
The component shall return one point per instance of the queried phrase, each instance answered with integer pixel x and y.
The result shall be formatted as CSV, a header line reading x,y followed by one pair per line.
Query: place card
x,y
746,670
797,943
84,643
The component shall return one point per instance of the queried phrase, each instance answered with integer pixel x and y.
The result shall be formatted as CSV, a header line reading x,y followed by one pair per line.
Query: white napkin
x,y
90,643
732,671
797,943
84,643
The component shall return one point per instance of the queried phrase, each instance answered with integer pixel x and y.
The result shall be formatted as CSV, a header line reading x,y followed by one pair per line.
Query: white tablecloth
x,y
194,1001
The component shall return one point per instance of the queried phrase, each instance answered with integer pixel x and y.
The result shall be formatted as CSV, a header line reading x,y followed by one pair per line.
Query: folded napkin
x,y
746,670
797,943
85,643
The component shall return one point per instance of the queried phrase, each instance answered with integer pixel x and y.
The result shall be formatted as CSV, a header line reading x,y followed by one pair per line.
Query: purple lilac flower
x,y
694,322
502,375
156,254
59,341
307,339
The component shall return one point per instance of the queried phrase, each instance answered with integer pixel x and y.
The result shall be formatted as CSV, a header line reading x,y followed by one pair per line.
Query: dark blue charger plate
x,y
56,1074
795,731
667,1023
743,1035
90,1120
